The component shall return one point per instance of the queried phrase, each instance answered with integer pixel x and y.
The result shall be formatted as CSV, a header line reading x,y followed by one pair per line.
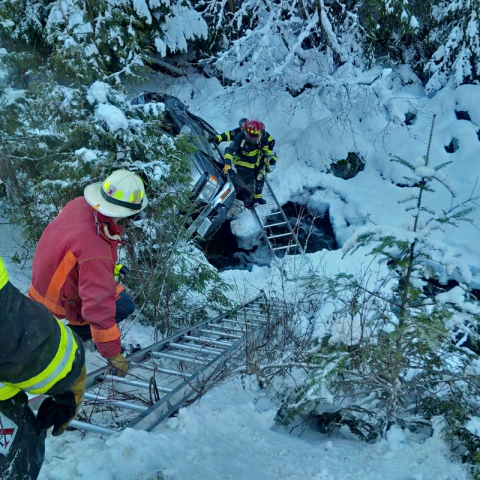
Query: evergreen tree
x,y
67,119
456,33
394,351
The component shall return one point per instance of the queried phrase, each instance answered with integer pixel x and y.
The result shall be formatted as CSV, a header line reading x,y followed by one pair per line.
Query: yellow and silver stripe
x,y
59,368
3,274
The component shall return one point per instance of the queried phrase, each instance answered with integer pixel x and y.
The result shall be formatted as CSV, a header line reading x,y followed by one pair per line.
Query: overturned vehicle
x,y
213,193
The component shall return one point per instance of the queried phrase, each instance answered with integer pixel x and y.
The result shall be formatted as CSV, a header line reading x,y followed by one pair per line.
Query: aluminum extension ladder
x,y
276,229
166,375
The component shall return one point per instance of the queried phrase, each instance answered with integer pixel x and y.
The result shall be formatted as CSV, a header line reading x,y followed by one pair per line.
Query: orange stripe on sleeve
x,y
108,335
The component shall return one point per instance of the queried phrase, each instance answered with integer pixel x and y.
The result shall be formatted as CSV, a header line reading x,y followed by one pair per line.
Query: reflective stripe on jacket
x,y
247,154
38,353
228,136
72,272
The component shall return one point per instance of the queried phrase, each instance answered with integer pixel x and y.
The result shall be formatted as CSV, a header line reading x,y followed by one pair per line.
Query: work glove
x,y
120,363
226,168
214,139
271,167
58,411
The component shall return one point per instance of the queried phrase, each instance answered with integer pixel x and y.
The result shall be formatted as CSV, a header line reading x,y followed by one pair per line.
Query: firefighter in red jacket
x,y
74,263
38,355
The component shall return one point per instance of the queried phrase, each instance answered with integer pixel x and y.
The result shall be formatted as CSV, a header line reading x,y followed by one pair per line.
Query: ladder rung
x,y
245,317
280,235
284,248
219,333
271,214
115,403
167,371
274,224
135,383
233,329
227,320
89,427
208,341
196,348
178,357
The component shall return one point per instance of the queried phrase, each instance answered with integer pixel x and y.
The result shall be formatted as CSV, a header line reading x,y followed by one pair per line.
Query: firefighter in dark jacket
x,y
229,135
38,355
251,151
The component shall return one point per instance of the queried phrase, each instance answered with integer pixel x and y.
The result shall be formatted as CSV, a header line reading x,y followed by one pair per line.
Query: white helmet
x,y
121,195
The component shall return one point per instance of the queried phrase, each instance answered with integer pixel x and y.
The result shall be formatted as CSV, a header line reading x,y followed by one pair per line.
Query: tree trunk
x,y
9,178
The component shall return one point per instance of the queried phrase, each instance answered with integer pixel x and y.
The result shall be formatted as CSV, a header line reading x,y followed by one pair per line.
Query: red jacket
x,y
72,272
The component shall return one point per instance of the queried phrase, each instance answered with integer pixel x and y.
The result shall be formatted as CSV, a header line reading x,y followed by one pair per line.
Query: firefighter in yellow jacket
x,y
38,355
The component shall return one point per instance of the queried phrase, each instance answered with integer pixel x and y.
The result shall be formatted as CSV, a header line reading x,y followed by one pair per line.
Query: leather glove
x,y
213,139
120,363
226,168
271,167
58,411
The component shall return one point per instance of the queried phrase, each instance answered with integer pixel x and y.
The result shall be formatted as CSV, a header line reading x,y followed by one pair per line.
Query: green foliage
x,y
67,122
456,408
454,32
393,353
175,286
391,28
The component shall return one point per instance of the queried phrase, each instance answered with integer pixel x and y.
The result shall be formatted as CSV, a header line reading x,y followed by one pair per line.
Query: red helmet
x,y
253,128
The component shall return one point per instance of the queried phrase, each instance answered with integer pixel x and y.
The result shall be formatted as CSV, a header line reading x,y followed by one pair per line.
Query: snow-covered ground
x,y
230,433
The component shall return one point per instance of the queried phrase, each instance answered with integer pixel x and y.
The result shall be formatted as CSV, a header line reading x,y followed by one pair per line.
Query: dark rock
x,y
349,167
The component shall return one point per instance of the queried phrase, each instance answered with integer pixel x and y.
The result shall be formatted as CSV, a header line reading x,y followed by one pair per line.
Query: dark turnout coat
x,y
247,154
38,355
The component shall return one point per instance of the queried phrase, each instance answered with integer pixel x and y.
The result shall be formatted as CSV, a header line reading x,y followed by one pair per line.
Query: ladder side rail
x,y
184,392
188,390
264,233
284,217
138,358
96,378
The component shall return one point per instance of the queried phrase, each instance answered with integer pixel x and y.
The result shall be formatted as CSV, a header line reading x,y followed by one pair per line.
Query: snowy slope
x,y
230,433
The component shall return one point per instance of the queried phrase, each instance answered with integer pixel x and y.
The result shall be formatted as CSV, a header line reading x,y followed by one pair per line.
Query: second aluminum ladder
x,y
276,229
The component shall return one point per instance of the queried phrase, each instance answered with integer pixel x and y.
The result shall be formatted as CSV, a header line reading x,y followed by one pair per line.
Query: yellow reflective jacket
x,y
38,353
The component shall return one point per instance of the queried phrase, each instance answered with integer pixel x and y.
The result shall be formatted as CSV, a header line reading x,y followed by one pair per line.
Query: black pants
x,y
261,169
244,182
21,442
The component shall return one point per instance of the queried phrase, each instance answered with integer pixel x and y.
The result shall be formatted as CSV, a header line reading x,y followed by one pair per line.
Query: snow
x,y
112,116
230,433
181,25
473,425
98,92
142,10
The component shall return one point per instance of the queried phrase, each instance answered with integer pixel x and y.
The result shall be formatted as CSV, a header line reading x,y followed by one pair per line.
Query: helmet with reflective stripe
x,y
253,128
121,195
